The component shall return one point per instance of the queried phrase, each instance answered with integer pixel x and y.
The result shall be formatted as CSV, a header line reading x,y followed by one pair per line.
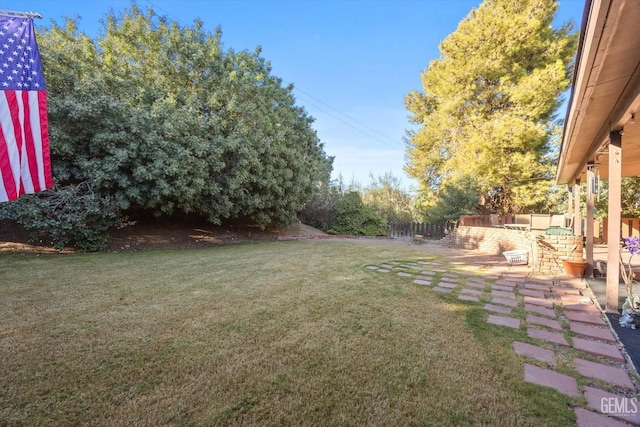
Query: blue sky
x,y
351,61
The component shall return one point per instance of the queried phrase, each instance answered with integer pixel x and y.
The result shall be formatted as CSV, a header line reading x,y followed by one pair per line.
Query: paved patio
x,y
560,313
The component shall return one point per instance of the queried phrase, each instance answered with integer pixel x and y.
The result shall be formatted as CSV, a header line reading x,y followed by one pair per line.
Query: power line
x,y
167,12
352,125
359,123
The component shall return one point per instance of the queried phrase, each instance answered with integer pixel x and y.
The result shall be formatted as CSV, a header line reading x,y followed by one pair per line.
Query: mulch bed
x,y
630,338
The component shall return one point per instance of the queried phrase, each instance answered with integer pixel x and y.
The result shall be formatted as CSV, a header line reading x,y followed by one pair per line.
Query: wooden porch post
x,y
591,184
570,204
613,228
577,220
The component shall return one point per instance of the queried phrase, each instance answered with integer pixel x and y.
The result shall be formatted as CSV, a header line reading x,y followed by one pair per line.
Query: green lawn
x,y
282,333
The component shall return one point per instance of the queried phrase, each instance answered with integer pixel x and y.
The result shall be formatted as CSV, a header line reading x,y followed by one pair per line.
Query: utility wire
x,y
395,141
359,129
167,12
324,110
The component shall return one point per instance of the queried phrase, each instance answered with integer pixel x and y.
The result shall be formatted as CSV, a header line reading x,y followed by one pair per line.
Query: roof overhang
x,y
605,92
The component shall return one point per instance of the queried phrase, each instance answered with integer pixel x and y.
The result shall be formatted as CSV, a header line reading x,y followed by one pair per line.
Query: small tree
x,y
453,199
319,212
387,198
352,217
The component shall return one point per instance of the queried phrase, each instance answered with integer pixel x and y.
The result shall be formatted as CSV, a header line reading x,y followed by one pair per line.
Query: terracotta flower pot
x,y
574,268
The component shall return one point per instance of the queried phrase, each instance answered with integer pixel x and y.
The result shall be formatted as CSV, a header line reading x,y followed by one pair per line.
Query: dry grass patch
x,y
287,333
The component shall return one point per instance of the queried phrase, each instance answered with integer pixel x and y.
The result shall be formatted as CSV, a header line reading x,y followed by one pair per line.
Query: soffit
x,y
605,92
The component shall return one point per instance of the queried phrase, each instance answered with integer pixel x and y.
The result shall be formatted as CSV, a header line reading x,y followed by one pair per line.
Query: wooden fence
x,y
428,231
628,227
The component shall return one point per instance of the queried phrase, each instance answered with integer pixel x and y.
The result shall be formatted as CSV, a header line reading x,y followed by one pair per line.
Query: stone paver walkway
x,y
560,321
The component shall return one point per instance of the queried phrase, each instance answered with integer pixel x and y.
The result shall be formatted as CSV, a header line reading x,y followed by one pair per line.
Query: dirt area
x,y
162,234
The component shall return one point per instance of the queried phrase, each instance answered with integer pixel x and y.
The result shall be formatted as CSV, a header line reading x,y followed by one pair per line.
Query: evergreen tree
x,y
486,110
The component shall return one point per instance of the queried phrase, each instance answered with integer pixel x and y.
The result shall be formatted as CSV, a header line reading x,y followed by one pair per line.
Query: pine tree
x,y
486,110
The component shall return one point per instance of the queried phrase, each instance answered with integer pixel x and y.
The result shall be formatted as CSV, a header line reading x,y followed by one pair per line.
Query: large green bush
x,y
158,117
352,217
66,216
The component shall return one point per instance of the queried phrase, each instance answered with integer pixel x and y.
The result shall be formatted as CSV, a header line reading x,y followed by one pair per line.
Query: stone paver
x,y
423,277
441,289
403,274
383,270
575,299
549,378
609,374
531,293
448,285
565,291
504,321
553,337
540,310
504,282
592,331
502,288
497,308
538,301
585,418
470,291
422,282
572,283
538,353
598,348
585,318
549,323
613,405
537,287
475,285
582,308
503,294
540,281
505,301
468,298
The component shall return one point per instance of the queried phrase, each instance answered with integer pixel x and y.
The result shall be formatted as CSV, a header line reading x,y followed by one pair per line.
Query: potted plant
x,y
574,268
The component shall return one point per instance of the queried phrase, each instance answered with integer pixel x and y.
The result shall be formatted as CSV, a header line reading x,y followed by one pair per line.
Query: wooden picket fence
x,y
433,231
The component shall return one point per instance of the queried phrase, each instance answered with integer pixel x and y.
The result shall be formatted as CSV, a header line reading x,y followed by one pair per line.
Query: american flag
x,y
25,165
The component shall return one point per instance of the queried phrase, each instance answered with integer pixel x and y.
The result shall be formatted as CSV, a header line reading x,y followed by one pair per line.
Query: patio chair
x,y
522,221
539,221
558,221
570,222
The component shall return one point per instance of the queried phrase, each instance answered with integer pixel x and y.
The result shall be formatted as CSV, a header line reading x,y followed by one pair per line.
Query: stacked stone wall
x,y
546,251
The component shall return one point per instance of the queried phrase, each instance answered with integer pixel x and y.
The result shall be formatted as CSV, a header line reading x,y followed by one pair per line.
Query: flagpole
x,y
20,14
